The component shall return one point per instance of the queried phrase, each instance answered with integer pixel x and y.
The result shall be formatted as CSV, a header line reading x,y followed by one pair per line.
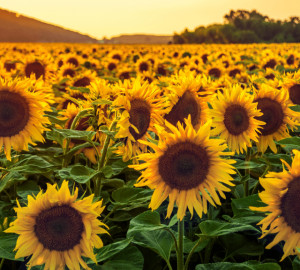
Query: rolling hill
x,y
15,28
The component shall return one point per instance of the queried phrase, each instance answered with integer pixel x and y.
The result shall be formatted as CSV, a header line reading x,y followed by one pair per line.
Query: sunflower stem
x,y
208,250
180,259
1,263
186,265
257,184
102,159
73,126
174,238
247,172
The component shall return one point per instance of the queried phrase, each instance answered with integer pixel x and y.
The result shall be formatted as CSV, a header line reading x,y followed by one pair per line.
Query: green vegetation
x,y
244,26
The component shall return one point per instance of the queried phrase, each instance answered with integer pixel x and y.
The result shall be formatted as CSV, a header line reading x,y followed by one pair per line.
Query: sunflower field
x,y
133,157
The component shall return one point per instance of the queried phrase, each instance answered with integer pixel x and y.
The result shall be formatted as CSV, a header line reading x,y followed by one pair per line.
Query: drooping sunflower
x,y
276,114
57,229
22,119
187,167
234,118
139,110
281,196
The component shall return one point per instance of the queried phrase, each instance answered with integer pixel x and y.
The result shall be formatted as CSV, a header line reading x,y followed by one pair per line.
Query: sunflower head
x,y
281,196
276,114
185,164
56,229
22,118
234,118
139,110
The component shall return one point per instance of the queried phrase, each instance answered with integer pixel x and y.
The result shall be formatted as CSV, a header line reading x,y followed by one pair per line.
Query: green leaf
x,y
290,143
241,164
215,228
28,188
131,197
10,178
79,173
33,165
238,244
101,102
75,134
147,221
129,258
110,250
80,89
159,241
113,183
296,263
295,108
249,265
240,207
7,245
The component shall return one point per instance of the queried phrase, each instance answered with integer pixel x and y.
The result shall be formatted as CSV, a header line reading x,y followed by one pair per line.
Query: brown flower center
x,y
73,61
140,114
270,64
124,75
214,72
59,228
234,72
111,66
14,113
185,106
236,119
270,76
9,66
290,207
69,72
143,67
117,57
290,60
36,68
294,92
184,165
272,115
161,70
85,81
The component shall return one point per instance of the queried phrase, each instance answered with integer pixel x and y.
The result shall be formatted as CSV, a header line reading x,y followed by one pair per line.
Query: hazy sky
x,y
109,18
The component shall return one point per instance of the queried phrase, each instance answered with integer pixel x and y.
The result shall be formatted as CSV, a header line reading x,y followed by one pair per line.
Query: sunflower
x,y
22,119
84,79
183,99
56,230
139,111
143,65
36,67
277,115
281,196
292,83
234,118
186,167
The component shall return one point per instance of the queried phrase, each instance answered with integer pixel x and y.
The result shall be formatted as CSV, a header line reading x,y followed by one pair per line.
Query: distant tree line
x,y
244,26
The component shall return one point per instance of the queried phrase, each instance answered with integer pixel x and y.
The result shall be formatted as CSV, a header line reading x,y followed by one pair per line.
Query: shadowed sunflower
x,y
234,113
21,116
57,230
281,195
139,111
278,117
186,167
